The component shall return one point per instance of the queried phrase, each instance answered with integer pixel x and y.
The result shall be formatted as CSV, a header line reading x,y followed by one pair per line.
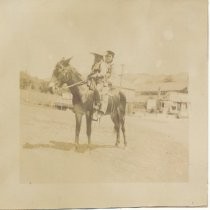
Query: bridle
x,y
67,74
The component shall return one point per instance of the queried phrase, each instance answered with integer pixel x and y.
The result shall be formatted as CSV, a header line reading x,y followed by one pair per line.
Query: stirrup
x,y
95,116
96,107
100,114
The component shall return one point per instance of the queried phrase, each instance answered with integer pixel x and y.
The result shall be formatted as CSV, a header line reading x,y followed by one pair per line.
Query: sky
x,y
148,36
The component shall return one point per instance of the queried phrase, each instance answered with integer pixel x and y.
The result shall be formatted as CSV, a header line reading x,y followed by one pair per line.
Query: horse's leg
x,y
117,128
116,122
88,125
78,117
123,130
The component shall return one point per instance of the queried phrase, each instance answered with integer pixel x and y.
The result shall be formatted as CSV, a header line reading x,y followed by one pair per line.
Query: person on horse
x,y
95,75
100,81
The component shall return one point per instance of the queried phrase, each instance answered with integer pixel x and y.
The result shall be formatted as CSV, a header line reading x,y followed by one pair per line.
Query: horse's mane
x,y
71,69
79,92
70,75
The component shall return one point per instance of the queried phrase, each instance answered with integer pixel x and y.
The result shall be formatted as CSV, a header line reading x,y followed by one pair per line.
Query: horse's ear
x,y
66,62
70,58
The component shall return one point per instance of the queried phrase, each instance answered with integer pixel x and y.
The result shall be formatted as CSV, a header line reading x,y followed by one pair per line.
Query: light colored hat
x,y
109,52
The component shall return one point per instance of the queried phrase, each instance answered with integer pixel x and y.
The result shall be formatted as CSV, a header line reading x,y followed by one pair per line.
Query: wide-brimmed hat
x,y
98,57
109,52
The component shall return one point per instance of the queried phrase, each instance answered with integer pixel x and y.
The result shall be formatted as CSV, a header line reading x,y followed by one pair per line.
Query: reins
x,y
75,84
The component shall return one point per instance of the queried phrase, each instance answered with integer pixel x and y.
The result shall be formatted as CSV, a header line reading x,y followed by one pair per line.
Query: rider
x,y
101,74
95,76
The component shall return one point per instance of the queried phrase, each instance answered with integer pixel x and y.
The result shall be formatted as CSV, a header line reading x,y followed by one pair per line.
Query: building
x,y
175,103
151,105
154,91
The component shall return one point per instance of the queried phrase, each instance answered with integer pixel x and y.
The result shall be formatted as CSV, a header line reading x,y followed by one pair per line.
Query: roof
x,y
176,97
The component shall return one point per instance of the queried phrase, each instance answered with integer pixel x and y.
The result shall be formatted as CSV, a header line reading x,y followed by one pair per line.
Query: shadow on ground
x,y
67,146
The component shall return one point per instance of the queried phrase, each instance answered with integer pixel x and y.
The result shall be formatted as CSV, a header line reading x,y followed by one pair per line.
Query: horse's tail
x,y
122,102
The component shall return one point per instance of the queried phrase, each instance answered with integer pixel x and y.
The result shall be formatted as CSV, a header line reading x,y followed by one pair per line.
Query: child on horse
x,y
99,80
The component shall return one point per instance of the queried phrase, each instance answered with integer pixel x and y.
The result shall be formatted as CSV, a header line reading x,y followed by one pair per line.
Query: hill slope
x,y
139,81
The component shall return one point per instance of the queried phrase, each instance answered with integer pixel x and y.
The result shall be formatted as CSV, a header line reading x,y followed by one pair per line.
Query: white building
x,y
175,103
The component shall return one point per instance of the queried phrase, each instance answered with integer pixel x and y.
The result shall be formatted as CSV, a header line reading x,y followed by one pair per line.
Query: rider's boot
x,y
96,109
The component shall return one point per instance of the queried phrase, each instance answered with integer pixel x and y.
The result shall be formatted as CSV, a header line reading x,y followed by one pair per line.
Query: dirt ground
x,y
157,149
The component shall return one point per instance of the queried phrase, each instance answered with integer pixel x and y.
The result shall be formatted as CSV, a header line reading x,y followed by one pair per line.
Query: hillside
x,y
139,81
146,81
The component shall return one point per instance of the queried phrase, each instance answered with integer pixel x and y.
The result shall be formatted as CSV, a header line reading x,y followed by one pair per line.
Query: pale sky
x,y
148,36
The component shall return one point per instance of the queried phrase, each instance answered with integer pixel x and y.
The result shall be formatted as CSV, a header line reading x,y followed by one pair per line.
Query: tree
x,y
25,80
44,88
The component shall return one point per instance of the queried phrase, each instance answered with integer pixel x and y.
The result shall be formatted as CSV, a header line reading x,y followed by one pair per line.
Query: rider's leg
x,y
96,97
99,88
104,99
97,104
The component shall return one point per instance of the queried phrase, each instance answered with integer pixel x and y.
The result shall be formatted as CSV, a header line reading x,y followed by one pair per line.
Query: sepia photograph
x,y
105,95
105,103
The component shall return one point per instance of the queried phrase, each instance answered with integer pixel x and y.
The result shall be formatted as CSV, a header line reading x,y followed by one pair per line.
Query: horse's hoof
x,y
117,145
76,147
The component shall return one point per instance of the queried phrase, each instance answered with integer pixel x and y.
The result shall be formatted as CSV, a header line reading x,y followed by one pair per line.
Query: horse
x,y
83,101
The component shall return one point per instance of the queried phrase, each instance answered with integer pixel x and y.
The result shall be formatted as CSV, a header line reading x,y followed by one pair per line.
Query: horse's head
x,y
63,73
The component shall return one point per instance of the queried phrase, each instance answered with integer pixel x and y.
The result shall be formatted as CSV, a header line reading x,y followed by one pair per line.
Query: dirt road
x,y
157,149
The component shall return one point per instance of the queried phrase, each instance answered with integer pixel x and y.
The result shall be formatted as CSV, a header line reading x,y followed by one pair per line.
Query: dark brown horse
x,y
83,100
